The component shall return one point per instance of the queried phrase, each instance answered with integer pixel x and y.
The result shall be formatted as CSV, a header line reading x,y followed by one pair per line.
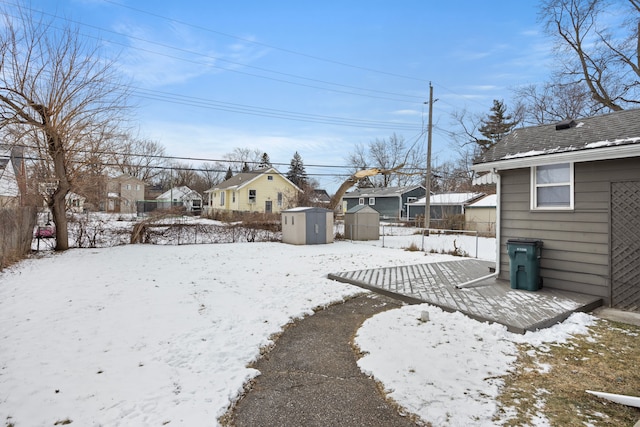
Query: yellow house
x,y
263,190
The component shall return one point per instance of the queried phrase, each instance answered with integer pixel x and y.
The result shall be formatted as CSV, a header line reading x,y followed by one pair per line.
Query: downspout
x,y
498,228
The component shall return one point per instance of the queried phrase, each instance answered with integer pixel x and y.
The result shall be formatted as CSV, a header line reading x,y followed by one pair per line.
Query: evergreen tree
x,y
229,174
496,125
265,162
245,167
297,173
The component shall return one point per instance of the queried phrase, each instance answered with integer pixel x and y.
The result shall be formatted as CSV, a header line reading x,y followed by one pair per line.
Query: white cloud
x,y
178,54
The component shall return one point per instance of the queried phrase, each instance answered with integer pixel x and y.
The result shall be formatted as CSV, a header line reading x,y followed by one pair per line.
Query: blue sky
x,y
313,77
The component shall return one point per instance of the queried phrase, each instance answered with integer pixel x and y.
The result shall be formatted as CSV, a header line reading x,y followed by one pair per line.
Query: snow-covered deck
x,y
488,300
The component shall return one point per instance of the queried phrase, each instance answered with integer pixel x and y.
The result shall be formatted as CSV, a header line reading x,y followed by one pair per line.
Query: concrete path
x,y
310,377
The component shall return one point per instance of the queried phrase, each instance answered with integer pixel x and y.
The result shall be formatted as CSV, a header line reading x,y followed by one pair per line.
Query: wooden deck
x,y
488,300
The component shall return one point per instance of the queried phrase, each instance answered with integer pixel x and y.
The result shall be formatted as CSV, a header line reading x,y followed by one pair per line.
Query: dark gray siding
x,y
576,252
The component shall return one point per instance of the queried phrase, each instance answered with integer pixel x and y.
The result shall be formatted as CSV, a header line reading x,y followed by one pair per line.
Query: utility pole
x,y
427,203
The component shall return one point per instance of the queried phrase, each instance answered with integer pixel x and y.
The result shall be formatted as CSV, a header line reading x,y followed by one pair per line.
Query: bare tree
x,y
241,156
58,94
553,102
389,154
604,59
142,158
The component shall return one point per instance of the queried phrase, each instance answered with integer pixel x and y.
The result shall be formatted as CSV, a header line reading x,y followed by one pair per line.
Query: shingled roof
x,y
621,128
379,192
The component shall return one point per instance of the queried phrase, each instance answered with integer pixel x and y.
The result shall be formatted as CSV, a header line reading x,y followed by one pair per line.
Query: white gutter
x,y
498,229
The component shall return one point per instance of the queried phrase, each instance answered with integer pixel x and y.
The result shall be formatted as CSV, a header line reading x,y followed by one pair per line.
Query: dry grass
x,y
551,380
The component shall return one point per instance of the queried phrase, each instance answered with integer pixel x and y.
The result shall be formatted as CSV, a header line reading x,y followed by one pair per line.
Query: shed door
x,y
316,228
625,245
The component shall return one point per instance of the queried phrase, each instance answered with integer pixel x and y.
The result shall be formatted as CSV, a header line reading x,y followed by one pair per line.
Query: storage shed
x,y
307,226
362,223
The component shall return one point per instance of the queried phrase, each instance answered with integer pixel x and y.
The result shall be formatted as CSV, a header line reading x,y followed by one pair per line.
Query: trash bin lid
x,y
525,242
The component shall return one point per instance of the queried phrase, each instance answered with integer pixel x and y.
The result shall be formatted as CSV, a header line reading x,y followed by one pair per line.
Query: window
x,y
372,201
137,187
280,199
269,177
361,201
285,220
252,196
233,197
552,186
222,198
411,199
128,186
196,203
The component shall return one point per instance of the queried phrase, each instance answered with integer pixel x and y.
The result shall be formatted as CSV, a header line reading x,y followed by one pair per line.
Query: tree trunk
x,y
57,202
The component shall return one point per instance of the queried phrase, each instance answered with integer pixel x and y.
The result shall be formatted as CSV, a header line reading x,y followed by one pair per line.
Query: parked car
x,y
45,232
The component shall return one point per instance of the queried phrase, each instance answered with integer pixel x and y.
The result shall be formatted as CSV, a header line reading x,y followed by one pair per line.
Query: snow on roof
x,y
490,201
448,199
179,193
620,128
8,182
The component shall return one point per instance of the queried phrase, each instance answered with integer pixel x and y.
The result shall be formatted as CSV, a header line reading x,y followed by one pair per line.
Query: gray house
x,y
574,185
390,202
442,206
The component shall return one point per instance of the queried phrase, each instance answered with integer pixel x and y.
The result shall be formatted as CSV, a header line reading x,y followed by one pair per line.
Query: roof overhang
x,y
576,156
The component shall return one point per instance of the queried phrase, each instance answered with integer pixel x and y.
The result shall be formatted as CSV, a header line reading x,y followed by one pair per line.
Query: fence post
x,y
476,243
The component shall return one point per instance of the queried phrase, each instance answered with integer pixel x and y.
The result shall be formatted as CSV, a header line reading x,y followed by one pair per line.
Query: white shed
x,y
307,226
362,222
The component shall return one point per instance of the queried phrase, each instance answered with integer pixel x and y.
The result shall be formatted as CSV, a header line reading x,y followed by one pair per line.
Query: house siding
x,y
266,190
388,206
576,250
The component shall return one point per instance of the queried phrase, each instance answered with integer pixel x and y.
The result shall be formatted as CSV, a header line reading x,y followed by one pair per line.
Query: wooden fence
x,y
16,233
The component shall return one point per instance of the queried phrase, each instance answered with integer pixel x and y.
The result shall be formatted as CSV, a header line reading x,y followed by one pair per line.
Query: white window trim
x,y
361,201
253,199
534,186
372,201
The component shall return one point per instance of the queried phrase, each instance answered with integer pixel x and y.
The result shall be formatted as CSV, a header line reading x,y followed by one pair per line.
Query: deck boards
x,y
489,300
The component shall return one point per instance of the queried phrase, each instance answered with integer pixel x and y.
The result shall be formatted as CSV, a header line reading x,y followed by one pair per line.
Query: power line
x,y
318,58
269,112
408,98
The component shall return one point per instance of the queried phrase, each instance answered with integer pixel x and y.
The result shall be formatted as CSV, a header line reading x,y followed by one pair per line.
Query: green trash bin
x,y
524,258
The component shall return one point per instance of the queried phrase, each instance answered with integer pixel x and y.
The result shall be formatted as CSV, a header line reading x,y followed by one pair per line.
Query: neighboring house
x,y
13,182
181,196
262,190
320,197
74,202
574,185
442,207
123,194
390,202
9,189
481,215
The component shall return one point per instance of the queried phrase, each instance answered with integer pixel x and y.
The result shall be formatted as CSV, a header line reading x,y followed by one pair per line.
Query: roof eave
x,y
590,155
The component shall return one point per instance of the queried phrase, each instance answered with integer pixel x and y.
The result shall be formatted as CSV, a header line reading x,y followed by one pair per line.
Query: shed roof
x,y
490,201
307,209
613,135
362,209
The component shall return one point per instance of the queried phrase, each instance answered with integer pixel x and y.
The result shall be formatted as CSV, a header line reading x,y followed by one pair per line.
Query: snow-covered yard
x,y
154,335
